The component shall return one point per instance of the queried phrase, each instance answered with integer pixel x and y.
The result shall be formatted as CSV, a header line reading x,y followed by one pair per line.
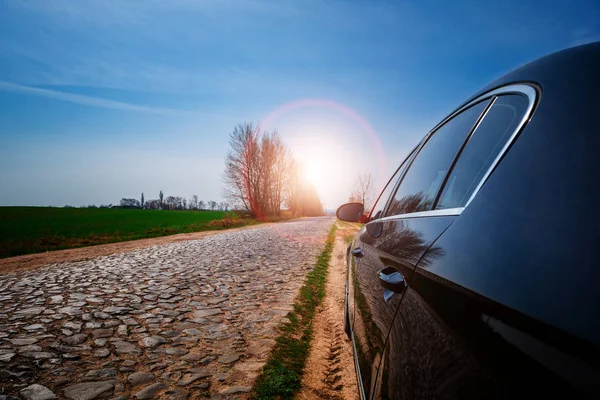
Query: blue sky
x,y
106,99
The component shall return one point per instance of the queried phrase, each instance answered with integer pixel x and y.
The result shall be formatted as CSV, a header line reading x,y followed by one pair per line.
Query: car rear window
x,y
483,147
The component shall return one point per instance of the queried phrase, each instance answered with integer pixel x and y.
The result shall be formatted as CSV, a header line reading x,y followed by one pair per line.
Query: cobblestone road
x,y
184,320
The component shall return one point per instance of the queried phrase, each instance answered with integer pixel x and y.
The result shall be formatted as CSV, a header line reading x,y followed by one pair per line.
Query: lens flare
x,y
321,149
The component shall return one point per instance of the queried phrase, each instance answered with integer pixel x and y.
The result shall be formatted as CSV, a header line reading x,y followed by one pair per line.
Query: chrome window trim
x,y
528,90
447,212
532,95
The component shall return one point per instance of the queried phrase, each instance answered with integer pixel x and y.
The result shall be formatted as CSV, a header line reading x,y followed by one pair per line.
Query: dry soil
x,y
329,372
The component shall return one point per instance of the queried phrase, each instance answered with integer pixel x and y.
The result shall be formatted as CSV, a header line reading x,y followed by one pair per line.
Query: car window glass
x,y
481,150
379,207
422,182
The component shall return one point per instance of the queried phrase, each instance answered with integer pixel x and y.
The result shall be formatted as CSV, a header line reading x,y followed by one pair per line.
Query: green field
x,y
25,230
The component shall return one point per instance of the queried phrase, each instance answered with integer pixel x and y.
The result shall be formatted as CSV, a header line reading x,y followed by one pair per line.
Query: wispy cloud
x,y
88,100
180,46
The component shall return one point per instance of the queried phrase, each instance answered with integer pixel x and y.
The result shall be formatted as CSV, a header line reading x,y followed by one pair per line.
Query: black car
x,y
475,275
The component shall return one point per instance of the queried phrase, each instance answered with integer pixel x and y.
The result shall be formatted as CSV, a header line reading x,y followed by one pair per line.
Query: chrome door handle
x,y
358,253
392,282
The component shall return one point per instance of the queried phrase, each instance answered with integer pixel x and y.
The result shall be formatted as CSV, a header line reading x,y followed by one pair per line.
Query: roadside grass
x,y
349,237
281,376
350,229
26,230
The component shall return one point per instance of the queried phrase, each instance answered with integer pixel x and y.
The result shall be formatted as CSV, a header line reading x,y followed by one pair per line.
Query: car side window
x,y
421,184
379,207
484,145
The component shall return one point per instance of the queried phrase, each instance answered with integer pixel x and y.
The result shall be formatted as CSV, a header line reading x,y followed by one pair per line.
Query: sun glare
x,y
332,143
322,166
315,174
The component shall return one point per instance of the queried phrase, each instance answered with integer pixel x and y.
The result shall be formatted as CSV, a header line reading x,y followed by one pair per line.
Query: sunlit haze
x,y
332,142
101,100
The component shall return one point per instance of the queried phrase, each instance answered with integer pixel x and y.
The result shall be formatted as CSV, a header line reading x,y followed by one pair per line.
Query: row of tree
x,y
173,203
261,175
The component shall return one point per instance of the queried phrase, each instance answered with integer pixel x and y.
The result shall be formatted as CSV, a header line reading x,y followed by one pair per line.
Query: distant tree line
x,y
261,175
173,203
168,203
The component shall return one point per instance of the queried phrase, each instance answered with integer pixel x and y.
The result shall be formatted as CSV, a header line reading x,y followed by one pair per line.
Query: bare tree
x,y
142,201
255,170
170,203
301,197
275,160
193,203
242,166
160,197
311,203
201,205
293,187
175,202
153,204
363,190
129,203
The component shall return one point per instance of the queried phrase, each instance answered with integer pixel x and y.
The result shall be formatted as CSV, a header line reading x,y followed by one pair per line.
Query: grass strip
x,y
281,376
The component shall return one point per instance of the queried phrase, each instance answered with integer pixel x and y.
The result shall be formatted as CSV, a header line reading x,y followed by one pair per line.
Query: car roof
x,y
574,66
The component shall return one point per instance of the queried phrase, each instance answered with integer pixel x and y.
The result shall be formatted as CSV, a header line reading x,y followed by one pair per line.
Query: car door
x,y
355,296
463,330
355,253
392,242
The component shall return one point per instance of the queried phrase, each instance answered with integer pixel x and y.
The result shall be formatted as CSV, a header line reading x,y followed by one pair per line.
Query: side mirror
x,y
351,212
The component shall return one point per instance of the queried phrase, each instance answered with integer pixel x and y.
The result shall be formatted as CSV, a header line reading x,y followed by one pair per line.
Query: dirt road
x,y
329,373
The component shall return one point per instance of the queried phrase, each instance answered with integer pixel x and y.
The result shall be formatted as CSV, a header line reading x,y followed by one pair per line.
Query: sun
x,y
318,163
315,173
323,168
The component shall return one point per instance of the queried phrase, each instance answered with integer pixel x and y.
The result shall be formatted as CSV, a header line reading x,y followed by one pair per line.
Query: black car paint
x,y
505,303
380,251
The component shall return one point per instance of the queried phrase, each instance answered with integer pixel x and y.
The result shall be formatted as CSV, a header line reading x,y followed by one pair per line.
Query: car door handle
x,y
357,252
392,282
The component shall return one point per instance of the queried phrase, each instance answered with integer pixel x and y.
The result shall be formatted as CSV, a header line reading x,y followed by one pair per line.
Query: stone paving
x,y
192,319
